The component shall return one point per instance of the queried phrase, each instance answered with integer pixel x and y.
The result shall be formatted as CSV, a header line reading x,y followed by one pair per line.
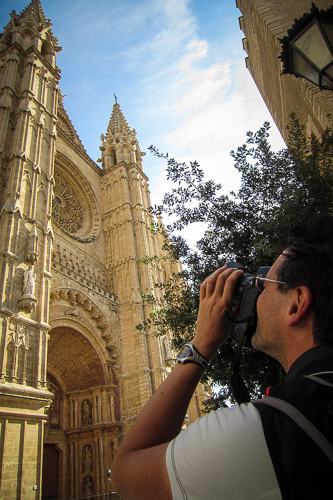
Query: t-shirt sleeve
x,y
222,456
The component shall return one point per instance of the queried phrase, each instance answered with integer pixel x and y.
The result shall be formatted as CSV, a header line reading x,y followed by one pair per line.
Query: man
x,y
247,451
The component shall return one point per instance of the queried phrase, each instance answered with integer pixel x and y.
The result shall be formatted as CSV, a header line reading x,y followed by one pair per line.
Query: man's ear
x,y
301,300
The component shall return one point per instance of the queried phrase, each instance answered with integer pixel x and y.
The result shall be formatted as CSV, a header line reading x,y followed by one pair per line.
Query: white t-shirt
x,y
222,456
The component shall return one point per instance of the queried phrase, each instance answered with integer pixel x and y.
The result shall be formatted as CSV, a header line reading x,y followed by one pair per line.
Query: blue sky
x,y
177,68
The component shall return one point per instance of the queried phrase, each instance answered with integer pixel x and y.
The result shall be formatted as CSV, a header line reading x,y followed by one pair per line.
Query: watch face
x,y
186,352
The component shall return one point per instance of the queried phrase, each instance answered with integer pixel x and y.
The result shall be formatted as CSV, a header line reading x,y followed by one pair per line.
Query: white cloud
x,y
200,88
164,28
210,119
197,50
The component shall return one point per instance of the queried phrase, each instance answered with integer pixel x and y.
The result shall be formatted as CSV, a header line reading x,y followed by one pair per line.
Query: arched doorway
x,y
82,429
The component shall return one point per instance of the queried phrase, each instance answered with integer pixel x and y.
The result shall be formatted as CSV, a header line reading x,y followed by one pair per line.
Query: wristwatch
x,y
190,354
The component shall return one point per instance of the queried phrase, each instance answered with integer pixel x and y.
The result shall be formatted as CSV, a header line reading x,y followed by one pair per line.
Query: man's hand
x,y
216,298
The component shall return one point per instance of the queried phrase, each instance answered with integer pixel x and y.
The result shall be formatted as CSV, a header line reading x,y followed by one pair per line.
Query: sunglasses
x,y
260,282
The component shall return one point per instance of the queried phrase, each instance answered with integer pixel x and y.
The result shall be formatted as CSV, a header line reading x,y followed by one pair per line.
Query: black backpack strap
x,y
319,380
301,421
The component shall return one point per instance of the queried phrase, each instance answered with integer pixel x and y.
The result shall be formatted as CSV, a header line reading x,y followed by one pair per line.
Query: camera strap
x,y
237,384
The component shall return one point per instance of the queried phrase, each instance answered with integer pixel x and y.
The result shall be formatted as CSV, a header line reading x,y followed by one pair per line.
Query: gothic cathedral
x,y
74,370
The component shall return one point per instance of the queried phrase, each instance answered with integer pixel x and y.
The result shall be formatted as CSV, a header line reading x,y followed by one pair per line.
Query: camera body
x,y
246,296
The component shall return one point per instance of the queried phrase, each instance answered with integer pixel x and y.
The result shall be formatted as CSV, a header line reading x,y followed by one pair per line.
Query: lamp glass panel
x,y
312,45
327,78
328,30
301,67
329,71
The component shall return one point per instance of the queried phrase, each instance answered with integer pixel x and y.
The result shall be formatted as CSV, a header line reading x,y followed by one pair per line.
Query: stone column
x,y
72,469
97,469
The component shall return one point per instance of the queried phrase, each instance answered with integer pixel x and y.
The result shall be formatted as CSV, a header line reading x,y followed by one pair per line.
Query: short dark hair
x,y
308,252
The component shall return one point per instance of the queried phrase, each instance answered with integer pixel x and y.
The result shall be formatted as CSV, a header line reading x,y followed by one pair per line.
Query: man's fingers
x,y
226,281
230,284
206,285
221,282
210,282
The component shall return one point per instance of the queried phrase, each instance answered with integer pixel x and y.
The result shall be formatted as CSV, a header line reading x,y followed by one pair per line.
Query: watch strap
x,y
195,358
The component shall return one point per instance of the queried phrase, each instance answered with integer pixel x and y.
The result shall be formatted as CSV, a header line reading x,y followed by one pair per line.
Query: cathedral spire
x,y
35,10
31,28
120,143
118,125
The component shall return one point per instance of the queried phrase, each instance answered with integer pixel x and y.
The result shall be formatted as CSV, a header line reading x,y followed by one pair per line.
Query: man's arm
x,y
139,468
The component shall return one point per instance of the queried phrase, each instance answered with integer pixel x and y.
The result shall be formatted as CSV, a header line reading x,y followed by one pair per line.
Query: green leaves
x,y
278,189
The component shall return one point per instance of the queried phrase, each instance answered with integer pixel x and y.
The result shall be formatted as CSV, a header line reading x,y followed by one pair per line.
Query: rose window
x,y
67,210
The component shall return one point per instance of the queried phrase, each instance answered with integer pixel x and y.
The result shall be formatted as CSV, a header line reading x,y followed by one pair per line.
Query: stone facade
x,y
75,372
263,23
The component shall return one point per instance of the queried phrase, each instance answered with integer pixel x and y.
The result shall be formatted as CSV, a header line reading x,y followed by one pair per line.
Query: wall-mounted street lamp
x,y
307,51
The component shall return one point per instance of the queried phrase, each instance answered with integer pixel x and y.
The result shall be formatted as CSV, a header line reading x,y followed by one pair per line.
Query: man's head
x,y
308,261
298,314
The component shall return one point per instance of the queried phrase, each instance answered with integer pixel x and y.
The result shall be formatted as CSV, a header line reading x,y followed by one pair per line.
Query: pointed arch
x,y
46,51
10,360
20,363
27,179
126,153
110,157
102,330
74,359
28,35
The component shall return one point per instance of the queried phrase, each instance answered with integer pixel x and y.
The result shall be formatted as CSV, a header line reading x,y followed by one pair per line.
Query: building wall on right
x,y
263,23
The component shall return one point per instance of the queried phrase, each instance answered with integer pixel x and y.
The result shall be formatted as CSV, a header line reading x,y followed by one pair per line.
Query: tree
x,y
278,190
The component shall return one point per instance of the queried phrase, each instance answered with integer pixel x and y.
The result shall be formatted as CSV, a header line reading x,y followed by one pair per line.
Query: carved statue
x,y
135,298
86,413
29,280
28,300
88,487
87,460
54,410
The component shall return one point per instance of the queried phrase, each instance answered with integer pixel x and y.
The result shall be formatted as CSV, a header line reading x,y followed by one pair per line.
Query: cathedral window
x,y
46,52
111,159
67,210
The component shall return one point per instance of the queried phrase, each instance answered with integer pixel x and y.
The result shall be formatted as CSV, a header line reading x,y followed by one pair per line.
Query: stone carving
x,y
28,300
135,297
80,271
88,487
74,313
67,210
29,279
79,299
53,412
17,350
86,413
32,246
87,458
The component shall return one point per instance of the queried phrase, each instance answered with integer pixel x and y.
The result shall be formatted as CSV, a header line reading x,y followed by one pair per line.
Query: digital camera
x,y
246,296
